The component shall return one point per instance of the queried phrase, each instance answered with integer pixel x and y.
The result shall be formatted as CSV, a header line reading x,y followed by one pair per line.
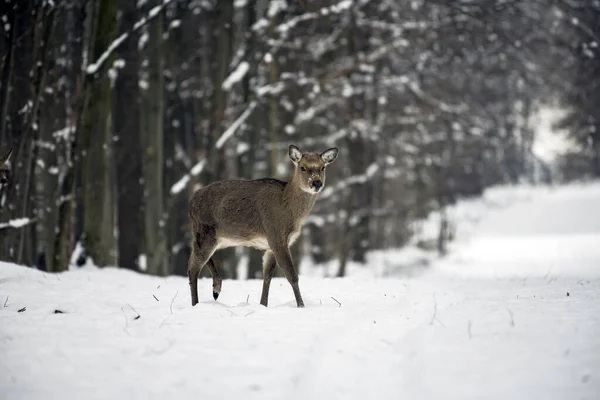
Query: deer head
x,y
309,173
5,167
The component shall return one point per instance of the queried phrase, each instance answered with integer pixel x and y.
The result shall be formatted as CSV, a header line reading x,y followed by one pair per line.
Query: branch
x,y
93,68
352,180
18,223
196,169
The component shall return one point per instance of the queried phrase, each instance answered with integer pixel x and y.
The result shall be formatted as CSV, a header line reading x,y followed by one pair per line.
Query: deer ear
x,y
295,154
329,156
6,156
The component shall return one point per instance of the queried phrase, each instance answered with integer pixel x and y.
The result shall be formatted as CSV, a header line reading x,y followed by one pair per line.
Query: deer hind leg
x,y
204,244
217,280
269,265
284,260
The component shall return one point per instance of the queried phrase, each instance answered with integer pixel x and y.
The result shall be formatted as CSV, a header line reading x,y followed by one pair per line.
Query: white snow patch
x,y
236,76
235,125
143,262
16,223
512,313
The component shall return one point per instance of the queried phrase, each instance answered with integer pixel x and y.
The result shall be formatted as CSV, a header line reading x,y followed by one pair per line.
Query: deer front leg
x,y
284,260
269,266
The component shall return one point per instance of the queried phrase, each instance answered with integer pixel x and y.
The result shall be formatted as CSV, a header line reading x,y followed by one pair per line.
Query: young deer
x,y
266,214
4,167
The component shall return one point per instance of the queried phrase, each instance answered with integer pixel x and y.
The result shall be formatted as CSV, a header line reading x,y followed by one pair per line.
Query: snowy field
x,y
512,313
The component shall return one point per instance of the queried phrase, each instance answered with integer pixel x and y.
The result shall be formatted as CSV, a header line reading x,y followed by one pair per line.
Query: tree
x,y
128,150
96,145
153,151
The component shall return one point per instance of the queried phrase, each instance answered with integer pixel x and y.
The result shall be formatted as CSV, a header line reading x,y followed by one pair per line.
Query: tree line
x,y
118,110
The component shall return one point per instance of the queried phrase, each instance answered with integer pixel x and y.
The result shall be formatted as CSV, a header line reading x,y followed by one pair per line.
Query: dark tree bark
x,y
98,213
128,151
153,150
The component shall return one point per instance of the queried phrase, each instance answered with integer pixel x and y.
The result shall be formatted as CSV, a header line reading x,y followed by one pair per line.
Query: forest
x,y
117,111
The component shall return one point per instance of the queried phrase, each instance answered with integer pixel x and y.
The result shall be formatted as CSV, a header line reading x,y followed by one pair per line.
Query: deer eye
x,y
302,169
322,169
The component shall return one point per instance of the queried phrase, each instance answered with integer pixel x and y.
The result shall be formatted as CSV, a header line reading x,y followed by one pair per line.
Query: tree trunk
x,y
6,74
98,213
152,142
223,51
128,152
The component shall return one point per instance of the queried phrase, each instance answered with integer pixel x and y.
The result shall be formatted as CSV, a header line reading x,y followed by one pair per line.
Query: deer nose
x,y
317,184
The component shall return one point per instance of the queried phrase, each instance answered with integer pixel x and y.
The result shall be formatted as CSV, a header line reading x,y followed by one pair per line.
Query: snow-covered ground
x,y
512,313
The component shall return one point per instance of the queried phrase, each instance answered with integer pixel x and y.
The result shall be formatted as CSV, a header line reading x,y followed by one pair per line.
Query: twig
x,y
434,310
434,316
155,297
126,322
22,309
251,312
512,317
5,301
138,316
171,306
247,298
231,312
340,304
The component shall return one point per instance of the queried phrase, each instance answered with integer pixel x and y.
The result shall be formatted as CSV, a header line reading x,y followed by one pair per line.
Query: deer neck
x,y
298,201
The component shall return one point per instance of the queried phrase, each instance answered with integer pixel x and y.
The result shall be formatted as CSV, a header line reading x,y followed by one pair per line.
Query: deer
x,y
267,214
5,167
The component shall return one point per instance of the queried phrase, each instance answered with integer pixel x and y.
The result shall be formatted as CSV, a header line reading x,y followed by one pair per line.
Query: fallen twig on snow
x,y
434,316
340,304
434,310
126,322
5,301
22,309
155,297
172,300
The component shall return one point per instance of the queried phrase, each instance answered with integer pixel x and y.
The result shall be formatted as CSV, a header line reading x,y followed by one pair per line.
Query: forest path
x,y
513,312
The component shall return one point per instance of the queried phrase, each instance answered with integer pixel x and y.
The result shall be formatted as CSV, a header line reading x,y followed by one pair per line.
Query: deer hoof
x,y
215,295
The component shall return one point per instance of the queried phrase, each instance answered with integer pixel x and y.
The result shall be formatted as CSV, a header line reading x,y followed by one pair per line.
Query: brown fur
x,y
266,214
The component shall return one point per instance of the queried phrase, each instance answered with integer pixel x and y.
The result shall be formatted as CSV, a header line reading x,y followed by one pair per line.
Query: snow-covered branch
x,y
236,76
93,68
17,223
350,181
285,27
236,124
199,167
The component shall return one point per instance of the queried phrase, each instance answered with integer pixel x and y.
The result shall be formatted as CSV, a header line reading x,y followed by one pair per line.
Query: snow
x,y
16,223
549,144
235,125
512,313
236,76
178,186
92,68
